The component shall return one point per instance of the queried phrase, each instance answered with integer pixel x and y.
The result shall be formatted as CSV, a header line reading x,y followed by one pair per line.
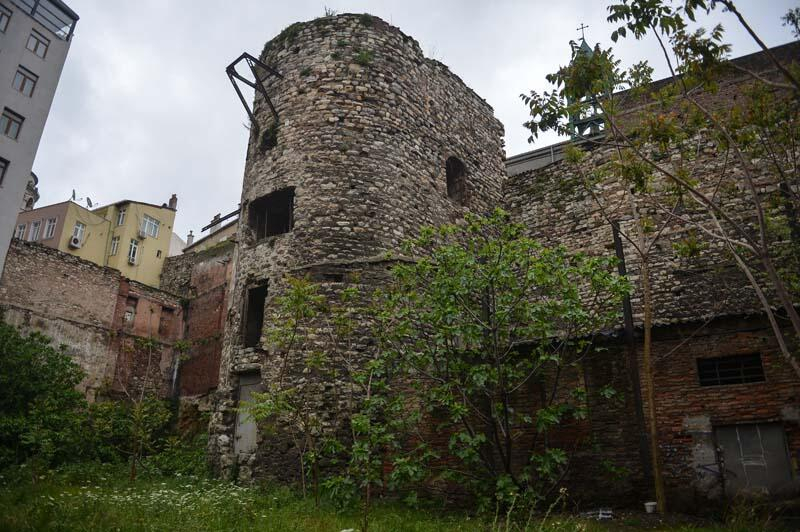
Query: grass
x,y
105,500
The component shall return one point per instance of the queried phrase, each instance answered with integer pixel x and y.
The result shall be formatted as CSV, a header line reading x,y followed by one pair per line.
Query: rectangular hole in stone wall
x,y
272,214
165,323
254,317
130,309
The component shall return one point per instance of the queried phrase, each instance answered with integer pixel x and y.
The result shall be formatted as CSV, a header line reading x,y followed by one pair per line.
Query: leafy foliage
x,y
42,415
485,315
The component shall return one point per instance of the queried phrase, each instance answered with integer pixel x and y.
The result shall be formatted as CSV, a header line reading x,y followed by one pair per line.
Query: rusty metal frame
x,y
257,84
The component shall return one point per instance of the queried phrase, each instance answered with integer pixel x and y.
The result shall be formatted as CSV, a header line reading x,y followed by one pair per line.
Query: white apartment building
x,y
35,36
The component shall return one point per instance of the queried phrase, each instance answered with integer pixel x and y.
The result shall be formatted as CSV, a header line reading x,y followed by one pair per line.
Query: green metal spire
x,y
588,122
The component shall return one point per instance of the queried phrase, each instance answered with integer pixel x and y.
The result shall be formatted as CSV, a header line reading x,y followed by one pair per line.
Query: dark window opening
x,y
255,315
739,369
456,174
165,323
272,214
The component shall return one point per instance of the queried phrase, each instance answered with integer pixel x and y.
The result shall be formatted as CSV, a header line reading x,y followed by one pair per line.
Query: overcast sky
x,y
144,108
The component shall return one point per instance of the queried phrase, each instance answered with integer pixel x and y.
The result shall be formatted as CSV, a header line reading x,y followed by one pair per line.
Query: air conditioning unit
x,y
132,261
75,242
142,234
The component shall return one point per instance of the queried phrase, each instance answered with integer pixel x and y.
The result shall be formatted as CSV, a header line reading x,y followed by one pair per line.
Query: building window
x,y
35,228
130,309
5,16
165,322
150,226
20,232
255,315
25,81
456,174
11,123
121,216
78,231
114,245
739,369
3,167
133,251
272,214
38,44
50,228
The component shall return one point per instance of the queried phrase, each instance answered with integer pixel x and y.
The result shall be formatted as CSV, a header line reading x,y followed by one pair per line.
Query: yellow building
x,y
130,236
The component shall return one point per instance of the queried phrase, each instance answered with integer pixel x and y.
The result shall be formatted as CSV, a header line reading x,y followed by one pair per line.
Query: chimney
x,y
215,223
173,202
189,239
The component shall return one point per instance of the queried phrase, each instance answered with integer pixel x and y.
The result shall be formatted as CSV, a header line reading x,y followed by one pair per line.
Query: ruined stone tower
x,y
371,141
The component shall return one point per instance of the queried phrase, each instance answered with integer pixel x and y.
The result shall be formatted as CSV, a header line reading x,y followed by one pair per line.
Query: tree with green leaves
x,y
42,414
723,176
480,318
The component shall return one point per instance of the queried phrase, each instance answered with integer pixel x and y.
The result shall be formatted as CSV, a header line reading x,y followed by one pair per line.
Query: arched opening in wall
x,y
456,174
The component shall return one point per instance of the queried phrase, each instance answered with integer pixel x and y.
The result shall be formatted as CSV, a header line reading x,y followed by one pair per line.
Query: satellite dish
x,y
89,201
73,194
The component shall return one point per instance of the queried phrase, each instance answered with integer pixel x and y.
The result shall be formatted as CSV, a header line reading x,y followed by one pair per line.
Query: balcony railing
x,y
52,14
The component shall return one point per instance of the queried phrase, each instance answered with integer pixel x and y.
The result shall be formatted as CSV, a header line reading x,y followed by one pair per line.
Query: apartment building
x,y
35,36
130,236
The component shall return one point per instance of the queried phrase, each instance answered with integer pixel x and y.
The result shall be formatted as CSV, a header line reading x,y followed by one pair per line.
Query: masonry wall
x,y
202,280
703,304
366,124
120,332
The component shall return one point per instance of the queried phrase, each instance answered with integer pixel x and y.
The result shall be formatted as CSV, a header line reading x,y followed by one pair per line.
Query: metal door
x,y
245,437
755,458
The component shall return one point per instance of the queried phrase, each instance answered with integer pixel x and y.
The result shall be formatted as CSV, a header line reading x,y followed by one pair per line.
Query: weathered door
x,y
245,437
756,459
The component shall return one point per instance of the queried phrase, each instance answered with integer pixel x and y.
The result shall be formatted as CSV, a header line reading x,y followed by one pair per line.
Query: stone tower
x,y
371,141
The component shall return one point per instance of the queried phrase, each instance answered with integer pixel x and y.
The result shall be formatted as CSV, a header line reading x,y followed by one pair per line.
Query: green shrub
x,y
42,415
364,57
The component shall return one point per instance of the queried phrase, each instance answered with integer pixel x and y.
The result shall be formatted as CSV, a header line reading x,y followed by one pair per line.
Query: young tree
x,y
482,317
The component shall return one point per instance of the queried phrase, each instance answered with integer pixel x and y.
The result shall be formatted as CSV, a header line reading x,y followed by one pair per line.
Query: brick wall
x,y
83,306
202,280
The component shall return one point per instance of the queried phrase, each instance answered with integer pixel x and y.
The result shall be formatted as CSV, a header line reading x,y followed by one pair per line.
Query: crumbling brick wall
x,y
83,306
202,280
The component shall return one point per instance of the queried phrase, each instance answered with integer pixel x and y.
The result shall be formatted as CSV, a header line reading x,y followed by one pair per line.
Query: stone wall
x,y
366,125
105,321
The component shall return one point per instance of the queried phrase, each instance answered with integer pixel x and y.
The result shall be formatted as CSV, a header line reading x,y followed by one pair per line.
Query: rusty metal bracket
x,y
257,84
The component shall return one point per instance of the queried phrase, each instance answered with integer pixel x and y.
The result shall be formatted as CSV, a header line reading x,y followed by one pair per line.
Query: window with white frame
x,y
114,245
25,81
35,229
121,215
20,232
38,43
150,226
79,230
133,250
5,16
50,228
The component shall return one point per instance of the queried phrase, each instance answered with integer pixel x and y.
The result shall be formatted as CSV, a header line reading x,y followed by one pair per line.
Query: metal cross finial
x,y
581,28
